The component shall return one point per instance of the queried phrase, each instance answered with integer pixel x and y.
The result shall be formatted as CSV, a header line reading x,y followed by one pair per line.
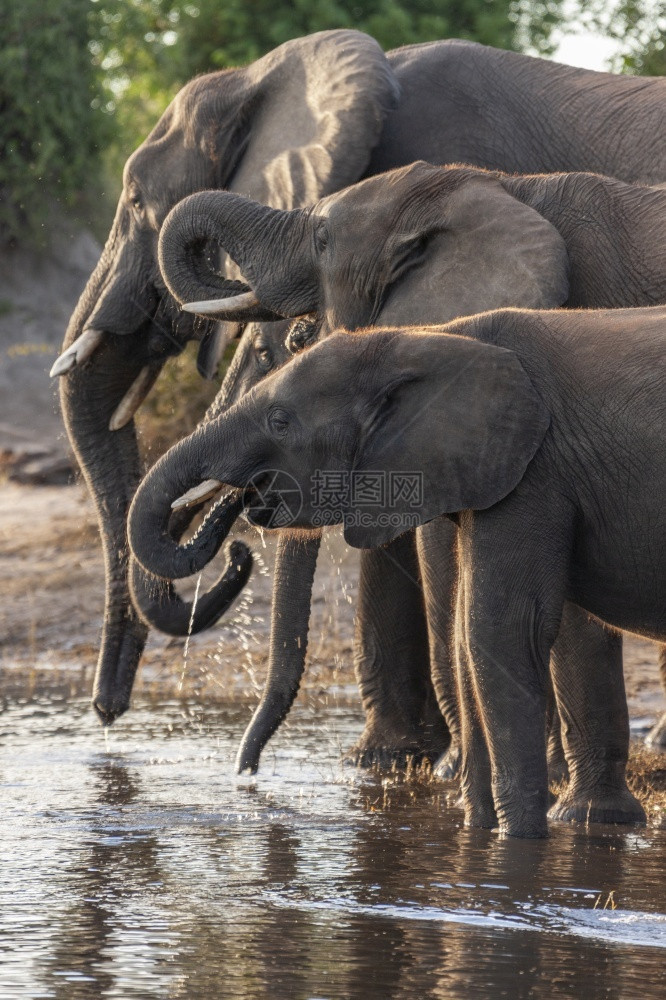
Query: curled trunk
x,y
268,245
160,605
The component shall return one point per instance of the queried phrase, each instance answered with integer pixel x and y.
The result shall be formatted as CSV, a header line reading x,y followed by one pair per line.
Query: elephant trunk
x,y
90,395
111,467
183,467
295,564
161,606
271,248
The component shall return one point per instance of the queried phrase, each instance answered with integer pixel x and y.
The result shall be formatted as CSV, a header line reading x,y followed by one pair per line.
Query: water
x,y
146,869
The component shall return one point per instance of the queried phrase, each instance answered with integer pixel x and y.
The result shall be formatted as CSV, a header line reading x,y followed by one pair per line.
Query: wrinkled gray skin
x,y
296,124
423,242
528,447
489,107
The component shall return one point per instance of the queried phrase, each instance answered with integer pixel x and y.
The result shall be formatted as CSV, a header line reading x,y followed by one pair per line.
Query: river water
x,y
143,868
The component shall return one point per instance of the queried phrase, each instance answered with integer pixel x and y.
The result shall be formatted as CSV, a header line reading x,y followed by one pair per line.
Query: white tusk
x,y
203,491
78,352
214,307
133,398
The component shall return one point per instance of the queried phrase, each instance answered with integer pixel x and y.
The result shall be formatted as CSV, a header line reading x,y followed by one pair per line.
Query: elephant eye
x,y
137,205
263,356
409,255
278,422
321,238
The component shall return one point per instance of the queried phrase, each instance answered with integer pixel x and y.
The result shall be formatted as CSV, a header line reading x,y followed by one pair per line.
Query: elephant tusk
x,y
204,491
133,398
219,307
78,352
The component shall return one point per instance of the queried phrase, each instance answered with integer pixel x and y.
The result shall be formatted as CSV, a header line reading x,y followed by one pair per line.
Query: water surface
x,y
144,868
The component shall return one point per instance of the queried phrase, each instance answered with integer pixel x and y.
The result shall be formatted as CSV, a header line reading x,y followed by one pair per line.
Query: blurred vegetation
x,y
52,127
178,402
82,82
640,30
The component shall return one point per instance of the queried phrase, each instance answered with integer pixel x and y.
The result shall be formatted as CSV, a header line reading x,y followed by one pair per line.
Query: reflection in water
x,y
150,871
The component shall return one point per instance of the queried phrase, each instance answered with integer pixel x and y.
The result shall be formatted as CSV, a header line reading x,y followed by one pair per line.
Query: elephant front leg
x,y
586,666
513,573
437,550
392,662
657,735
475,772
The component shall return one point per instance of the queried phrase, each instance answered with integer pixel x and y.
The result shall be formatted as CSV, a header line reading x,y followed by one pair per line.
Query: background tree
x,y
147,49
82,82
52,128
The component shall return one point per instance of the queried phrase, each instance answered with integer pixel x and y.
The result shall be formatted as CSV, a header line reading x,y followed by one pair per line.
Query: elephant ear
x,y
453,425
485,250
315,109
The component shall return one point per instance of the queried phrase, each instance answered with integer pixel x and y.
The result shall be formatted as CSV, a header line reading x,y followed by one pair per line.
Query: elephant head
x,y
286,130
420,244
446,421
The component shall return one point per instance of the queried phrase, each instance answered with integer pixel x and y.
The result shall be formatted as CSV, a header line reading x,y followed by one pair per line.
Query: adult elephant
x,y
243,129
434,242
541,432
298,123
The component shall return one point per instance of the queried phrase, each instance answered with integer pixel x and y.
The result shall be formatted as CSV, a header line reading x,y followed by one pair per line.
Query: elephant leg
x,y
392,661
586,666
514,560
557,761
475,773
657,735
436,546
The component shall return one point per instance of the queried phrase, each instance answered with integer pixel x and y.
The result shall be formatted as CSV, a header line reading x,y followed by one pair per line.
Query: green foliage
x,y
51,128
82,82
638,27
148,48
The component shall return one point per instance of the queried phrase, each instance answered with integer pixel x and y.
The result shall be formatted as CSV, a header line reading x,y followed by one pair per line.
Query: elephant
x,y
297,123
312,116
434,242
539,432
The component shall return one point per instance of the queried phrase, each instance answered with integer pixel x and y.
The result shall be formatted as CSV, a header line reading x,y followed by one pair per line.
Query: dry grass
x,y
646,777
178,402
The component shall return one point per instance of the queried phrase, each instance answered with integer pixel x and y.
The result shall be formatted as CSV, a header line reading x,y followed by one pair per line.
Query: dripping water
x,y
189,633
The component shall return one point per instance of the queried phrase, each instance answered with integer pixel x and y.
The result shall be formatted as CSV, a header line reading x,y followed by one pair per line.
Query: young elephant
x,y
426,244
540,432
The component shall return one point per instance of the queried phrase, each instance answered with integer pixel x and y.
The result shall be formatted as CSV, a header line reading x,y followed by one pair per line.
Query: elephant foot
x,y
448,765
594,806
479,814
384,750
528,828
657,735
388,758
